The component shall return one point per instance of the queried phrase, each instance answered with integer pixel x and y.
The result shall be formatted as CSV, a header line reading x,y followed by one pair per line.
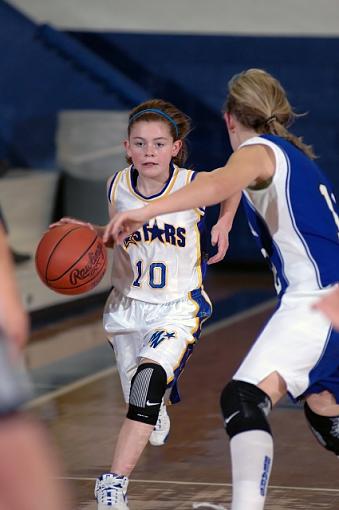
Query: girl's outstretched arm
x,y
243,168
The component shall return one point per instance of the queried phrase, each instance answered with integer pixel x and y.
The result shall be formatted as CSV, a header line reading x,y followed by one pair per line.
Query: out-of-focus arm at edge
x,y
13,318
329,305
8,285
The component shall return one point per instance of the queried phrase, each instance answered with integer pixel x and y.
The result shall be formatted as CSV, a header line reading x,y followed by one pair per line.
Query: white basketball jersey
x,y
163,260
295,220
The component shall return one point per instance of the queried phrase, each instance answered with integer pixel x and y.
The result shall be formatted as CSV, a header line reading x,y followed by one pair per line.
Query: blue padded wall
x,y
43,71
192,71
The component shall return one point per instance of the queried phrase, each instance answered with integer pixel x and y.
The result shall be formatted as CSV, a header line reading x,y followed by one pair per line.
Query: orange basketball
x,y
71,259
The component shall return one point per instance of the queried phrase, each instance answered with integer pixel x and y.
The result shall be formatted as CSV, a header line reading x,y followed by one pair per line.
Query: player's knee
x,y
245,407
147,390
324,428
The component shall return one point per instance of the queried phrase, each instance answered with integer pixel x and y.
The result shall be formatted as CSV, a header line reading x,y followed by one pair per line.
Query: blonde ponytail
x,y
259,102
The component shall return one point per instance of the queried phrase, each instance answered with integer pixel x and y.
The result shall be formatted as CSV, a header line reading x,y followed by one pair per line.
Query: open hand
x,y
219,237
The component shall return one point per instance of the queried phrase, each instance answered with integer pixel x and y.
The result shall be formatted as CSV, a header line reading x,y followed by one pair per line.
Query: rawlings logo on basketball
x,y
95,262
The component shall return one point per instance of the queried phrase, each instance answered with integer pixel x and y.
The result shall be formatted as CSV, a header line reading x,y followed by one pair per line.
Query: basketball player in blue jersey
x,y
293,215
154,314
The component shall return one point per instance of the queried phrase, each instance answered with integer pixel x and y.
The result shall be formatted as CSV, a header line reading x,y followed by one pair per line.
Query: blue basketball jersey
x,y
295,220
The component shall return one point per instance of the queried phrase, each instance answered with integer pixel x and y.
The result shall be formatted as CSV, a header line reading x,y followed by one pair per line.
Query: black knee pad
x,y
147,390
324,428
245,407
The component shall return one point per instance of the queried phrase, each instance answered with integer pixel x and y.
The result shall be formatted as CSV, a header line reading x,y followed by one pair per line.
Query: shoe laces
x,y
111,489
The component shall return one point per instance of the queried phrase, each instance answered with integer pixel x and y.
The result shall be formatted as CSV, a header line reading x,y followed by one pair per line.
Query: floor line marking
x,y
71,387
215,326
207,330
214,484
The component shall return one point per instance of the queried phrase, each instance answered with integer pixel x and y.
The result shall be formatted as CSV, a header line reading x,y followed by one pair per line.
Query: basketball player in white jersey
x,y
293,215
154,314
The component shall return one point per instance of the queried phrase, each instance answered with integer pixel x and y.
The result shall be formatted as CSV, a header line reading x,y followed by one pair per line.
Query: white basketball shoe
x,y
111,492
161,429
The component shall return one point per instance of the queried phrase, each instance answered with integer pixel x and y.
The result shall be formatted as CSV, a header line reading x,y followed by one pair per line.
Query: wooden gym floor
x,y
194,466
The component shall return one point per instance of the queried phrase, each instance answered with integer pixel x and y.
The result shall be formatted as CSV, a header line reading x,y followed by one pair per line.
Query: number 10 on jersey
x,y
156,275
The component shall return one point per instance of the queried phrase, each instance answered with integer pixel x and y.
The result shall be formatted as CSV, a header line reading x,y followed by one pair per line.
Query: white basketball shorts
x,y
299,343
164,333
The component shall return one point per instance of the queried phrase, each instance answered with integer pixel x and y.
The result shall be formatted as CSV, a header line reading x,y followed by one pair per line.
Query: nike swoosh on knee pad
x,y
148,403
227,420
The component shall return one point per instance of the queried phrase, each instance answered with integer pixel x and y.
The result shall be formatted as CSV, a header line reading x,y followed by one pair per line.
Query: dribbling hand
x,y
66,220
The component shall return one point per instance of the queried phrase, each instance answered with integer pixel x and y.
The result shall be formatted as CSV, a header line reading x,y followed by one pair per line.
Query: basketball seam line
x,y
79,258
50,255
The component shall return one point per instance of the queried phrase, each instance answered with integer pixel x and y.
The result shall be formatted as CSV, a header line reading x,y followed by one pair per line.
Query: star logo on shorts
x,y
159,336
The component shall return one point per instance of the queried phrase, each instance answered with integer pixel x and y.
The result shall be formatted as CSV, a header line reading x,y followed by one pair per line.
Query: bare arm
x,y
329,305
14,324
111,212
244,167
228,208
220,231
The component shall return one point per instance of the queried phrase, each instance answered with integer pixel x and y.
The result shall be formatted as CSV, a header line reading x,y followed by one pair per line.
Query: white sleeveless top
x,y
295,220
162,261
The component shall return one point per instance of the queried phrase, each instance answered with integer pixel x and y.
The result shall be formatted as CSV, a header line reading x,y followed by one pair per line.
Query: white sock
x,y
252,455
